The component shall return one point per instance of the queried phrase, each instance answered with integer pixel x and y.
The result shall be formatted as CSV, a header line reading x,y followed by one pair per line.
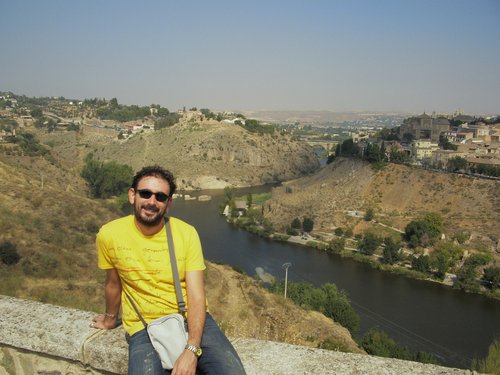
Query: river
x,y
426,316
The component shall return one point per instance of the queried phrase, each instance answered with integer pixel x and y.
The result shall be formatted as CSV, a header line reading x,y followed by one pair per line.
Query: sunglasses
x,y
146,194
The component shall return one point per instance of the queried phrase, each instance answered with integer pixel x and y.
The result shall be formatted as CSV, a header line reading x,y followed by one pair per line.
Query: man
x,y
134,252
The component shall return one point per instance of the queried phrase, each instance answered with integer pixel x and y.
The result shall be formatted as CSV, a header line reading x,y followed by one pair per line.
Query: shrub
x,y
461,237
8,253
330,343
491,364
378,343
491,277
327,299
369,214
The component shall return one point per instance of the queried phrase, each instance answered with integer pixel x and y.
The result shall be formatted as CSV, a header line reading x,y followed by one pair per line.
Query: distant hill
x,y
397,193
212,155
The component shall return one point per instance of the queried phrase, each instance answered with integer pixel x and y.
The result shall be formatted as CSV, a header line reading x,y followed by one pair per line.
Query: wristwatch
x,y
195,349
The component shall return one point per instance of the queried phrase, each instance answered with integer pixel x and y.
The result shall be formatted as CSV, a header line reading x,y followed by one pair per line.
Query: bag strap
x,y
137,311
175,272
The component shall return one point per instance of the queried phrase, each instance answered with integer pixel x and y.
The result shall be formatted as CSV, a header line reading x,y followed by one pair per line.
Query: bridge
x,y
325,145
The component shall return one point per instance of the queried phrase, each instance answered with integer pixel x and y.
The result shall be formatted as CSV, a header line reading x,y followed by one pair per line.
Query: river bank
x,y
318,242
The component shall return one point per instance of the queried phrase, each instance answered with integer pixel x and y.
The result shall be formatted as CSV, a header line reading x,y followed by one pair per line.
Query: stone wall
x,y
37,338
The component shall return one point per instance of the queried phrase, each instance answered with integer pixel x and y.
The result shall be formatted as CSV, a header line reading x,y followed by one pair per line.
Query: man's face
x,y
149,208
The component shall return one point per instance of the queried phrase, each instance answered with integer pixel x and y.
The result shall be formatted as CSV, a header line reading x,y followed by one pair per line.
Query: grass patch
x,y
10,282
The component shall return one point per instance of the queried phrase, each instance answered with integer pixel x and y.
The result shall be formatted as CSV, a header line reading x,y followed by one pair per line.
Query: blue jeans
x,y
218,358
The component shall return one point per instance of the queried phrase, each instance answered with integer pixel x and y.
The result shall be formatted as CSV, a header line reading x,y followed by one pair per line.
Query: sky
x,y
352,55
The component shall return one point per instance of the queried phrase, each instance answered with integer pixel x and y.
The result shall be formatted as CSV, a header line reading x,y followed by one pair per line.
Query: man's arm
x,y
112,294
195,288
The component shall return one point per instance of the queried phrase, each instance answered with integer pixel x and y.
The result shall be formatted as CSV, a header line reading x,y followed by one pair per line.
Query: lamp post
x,y
285,267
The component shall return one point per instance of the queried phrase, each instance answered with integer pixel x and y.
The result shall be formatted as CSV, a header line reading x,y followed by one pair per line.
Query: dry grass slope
x,y
244,309
397,193
211,154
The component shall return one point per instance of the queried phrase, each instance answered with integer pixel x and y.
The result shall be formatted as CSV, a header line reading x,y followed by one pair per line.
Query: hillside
x,y
244,309
397,193
212,155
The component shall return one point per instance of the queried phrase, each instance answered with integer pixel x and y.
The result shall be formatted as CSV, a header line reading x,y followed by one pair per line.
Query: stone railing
x,y
37,338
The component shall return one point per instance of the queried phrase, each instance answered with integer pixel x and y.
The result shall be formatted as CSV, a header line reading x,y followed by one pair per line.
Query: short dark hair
x,y
156,171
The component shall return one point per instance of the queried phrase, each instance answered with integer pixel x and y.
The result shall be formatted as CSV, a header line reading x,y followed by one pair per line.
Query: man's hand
x,y
112,293
102,321
185,364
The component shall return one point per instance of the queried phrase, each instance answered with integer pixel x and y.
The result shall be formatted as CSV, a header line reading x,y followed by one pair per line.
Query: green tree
x,y
369,244
376,342
424,231
398,156
445,256
457,163
348,148
296,224
389,134
228,194
307,224
36,113
445,144
106,179
373,153
421,263
8,253
391,251
337,245
337,306
467,279
249,200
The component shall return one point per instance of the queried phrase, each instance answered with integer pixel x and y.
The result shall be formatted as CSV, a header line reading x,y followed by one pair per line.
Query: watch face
x,y
198,352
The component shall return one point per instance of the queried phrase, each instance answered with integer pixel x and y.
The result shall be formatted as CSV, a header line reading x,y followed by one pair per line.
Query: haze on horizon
x,y
387,55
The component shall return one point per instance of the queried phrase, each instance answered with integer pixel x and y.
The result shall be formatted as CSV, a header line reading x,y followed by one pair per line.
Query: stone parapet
x,y
37,338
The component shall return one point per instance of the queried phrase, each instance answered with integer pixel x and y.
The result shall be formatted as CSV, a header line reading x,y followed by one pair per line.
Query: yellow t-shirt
x,y
143,264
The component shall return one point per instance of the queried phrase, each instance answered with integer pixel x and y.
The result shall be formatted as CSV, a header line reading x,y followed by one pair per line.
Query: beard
x,y
148,220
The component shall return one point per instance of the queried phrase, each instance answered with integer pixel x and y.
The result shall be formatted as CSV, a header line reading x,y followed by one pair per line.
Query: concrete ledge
x,y
47,339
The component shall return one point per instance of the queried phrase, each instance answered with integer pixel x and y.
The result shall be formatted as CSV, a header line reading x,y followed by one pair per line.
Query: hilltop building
x,y
424,127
